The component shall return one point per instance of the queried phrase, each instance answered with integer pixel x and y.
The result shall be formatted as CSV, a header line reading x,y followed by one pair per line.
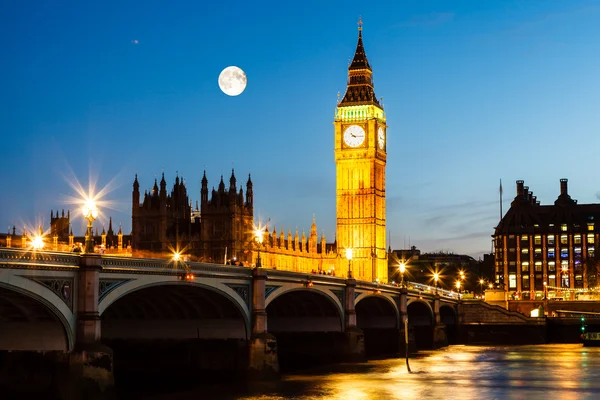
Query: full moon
x,y
232,81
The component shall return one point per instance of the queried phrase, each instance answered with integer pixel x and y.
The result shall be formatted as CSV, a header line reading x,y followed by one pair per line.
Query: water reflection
x,y
465,372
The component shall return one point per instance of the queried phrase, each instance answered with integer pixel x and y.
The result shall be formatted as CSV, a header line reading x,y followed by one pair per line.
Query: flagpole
x,y
500,199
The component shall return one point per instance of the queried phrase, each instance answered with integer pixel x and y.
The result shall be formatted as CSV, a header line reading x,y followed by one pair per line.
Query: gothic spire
x,y
360,90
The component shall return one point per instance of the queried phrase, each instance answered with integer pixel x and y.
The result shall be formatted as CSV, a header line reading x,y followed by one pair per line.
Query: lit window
x,y
538,239
564,266
590,226
591,251
524,237
564,239
512,281
524,250
525,266
552,280
551,266
565,281
538,253
525,282
563,227
551,239
564,253
538,266
577,251
577,239
550,252
590,238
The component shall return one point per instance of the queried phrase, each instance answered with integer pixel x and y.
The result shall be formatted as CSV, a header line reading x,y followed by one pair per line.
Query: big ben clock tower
x,y
360,158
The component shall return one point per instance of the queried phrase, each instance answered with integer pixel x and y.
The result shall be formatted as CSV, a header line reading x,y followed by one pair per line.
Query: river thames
x,y
558,371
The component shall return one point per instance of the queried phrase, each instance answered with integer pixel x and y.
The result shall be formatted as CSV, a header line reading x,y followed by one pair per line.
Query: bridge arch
x,y
325,292
384,297
45,301
377,315
171,285
308,324
448,316
421,323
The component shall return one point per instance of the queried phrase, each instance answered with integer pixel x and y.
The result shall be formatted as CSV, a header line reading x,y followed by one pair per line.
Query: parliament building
x,y
222,228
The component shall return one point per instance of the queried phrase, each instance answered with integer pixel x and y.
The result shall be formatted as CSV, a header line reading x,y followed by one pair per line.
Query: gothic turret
x,y
204,190
249,193
232,182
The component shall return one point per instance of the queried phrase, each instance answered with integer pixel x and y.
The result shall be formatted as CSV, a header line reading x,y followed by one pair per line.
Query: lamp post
x,y
90,212
481,282
258,234
402,270
436,277
457,284
349,258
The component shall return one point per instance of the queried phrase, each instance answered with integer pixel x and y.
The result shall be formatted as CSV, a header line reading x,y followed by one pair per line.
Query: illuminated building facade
x,y
360,157
546,250
220,229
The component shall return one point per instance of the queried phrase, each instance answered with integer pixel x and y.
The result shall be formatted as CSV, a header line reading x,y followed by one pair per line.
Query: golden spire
x,y
360,23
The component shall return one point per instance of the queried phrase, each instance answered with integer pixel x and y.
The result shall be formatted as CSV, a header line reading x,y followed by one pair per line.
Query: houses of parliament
x,y
220,227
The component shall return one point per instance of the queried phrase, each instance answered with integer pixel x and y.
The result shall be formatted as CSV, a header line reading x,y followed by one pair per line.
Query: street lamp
x,y
258,234
481,282
349,258
90,212
457,286
436,277
402,270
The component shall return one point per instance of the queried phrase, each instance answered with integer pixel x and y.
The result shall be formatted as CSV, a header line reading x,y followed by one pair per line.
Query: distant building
x,y
421,266
60,237
551,248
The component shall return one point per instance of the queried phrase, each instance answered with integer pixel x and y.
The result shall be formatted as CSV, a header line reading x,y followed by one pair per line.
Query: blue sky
x,y
474,92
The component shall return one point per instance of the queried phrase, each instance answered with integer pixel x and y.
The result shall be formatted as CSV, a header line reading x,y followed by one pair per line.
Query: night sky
x,y
474,91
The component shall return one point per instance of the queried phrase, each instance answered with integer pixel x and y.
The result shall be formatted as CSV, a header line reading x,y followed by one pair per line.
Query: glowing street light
x,y
481,282
176,256
436,277
258,235
349,258
457,284
402,269
38,242
90,212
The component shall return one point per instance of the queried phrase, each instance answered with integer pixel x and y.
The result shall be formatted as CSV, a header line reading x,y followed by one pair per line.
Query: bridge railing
x,y
128,264
29,258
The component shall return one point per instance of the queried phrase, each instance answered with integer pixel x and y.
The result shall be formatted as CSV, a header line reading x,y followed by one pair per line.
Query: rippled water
x,y
557,371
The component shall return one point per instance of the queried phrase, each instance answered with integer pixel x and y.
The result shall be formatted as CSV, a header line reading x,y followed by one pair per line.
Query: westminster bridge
x,y
84,306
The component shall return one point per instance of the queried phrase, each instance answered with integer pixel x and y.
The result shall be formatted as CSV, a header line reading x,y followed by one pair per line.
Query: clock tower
x,y
360,156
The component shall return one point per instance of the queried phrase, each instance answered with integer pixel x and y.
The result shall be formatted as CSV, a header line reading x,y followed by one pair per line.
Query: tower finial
x,y
360,23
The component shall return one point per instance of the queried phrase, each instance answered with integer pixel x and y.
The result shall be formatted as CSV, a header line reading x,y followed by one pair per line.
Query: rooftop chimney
x,y
520,188
563,187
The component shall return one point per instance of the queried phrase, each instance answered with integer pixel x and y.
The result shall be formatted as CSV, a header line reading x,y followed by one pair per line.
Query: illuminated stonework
x,y
360,173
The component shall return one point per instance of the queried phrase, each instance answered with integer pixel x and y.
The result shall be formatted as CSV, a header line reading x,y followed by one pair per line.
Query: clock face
x,y
354,136
380,138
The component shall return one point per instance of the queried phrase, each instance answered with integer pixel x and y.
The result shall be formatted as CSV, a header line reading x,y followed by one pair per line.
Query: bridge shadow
x,y
308,328
378,319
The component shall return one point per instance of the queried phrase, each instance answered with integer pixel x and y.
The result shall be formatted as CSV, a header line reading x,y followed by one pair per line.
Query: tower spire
x,y
360,90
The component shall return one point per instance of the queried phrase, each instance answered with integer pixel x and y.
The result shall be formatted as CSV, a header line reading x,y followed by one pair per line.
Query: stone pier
x,y
263,361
